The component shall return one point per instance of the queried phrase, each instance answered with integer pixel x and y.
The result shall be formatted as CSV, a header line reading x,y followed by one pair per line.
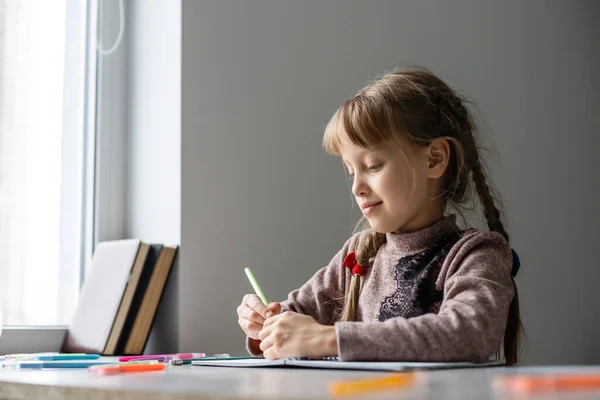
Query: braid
x,y
460,125
490,211
368,245
457,123
512,331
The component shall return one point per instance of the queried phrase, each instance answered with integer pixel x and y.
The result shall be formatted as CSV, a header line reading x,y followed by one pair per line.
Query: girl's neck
x,y
405,242
422,220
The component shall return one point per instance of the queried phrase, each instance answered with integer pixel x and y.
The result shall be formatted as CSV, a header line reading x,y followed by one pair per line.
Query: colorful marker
x,y
547,383
256,286
124,368
68,357
362,385
163,357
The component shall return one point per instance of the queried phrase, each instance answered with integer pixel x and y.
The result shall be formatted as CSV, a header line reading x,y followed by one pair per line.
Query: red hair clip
x,y
350,263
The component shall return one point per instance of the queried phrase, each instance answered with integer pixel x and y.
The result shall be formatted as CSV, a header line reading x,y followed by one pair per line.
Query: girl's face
x,y
394,191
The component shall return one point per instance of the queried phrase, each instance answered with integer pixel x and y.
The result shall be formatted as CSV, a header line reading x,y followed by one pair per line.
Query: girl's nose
x,y
359,186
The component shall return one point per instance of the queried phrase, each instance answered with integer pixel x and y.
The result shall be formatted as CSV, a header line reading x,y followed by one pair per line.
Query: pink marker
x,y
162,357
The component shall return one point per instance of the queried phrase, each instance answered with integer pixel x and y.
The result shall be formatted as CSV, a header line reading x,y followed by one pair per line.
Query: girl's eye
x,y
375,167
350,176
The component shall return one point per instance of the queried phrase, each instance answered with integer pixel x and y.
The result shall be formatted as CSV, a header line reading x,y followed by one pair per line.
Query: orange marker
x,y
122,368
354,386
545,383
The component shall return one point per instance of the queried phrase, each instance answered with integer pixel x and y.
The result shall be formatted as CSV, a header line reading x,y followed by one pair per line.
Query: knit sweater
x,y
437,294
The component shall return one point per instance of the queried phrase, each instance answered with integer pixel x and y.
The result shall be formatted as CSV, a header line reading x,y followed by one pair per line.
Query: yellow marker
x,y
354,386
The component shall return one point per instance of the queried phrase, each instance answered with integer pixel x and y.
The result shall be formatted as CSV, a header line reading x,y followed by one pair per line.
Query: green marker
x,y
256,287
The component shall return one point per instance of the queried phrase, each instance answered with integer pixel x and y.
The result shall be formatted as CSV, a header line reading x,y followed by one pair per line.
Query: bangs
x,y
364,121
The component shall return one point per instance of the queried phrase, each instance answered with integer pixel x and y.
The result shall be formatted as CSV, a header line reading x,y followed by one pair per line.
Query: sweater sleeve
x,y
321,297
477,286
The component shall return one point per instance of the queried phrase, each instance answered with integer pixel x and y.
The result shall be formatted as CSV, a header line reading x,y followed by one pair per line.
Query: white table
x,y
192,382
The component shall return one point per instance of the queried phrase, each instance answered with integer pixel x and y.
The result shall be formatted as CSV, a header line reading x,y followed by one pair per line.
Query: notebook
x,y
100,296
132,297
143,321
334,363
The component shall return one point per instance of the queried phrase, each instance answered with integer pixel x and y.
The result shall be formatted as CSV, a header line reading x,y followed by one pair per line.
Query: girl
x,y
413,286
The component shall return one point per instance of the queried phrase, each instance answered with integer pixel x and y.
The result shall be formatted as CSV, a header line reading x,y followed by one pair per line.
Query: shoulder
x,y
477,250
472,238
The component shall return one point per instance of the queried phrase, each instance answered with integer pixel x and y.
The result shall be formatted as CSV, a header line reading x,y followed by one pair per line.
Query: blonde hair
x,y
416,105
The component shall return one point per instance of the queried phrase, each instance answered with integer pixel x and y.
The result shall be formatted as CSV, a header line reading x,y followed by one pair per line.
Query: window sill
x,y
31,339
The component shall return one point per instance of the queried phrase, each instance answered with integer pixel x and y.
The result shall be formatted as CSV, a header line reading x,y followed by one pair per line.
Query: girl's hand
x,y
296,335
252,314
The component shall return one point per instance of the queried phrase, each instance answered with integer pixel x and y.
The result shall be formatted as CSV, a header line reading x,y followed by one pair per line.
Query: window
x,y
46,181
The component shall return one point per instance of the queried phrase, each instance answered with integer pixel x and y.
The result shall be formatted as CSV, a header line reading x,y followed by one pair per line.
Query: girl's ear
x,y
439,157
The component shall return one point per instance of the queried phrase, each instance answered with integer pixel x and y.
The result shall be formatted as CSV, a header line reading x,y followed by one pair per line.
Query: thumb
x,y
274,309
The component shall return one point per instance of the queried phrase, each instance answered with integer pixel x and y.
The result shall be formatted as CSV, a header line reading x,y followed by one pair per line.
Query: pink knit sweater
x,y
437,294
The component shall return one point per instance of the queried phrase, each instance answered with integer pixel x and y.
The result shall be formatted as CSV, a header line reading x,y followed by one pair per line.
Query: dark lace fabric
x,y
415,276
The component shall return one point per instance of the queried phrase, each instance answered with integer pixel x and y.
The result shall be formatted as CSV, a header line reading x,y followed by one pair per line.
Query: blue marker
x,y
65,357
56,364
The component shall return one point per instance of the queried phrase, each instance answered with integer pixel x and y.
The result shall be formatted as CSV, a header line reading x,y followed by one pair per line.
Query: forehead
x,y
398,152
350,151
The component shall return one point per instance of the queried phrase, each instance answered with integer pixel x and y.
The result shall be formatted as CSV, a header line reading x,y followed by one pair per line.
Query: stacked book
x,y
120,298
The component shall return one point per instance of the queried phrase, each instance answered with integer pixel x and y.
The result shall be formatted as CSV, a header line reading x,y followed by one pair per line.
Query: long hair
x,y
418,105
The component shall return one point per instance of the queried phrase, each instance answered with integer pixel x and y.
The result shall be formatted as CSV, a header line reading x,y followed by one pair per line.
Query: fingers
x,y
272,354
248,313
250,319
274,309
270,321
251,329
254,302
265,332
275,318
266,344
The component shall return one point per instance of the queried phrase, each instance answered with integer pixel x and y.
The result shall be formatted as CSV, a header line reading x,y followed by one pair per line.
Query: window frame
x,y
81,26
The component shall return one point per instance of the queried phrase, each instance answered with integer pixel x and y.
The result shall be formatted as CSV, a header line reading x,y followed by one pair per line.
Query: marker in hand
x,y
256,286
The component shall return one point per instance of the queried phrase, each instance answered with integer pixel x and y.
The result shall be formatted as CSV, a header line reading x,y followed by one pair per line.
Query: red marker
x,y
123,368
547,383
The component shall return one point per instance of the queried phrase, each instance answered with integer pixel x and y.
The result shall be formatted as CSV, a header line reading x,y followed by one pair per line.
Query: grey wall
x,y
153,163
260,80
